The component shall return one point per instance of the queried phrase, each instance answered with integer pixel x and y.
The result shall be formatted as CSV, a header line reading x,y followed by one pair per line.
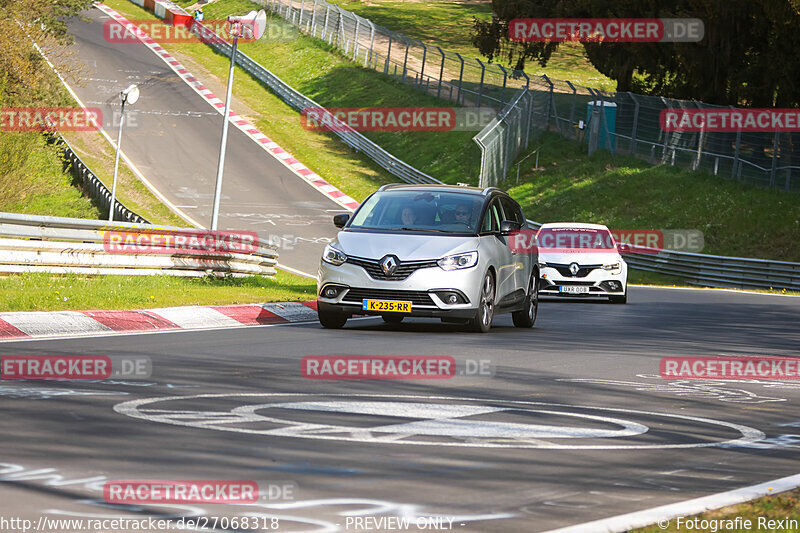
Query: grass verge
x,y
32,180
771,509
449,24
46,292
627,193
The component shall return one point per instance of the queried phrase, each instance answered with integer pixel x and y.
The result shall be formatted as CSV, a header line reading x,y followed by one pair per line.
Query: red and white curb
x,y
298,168
22,325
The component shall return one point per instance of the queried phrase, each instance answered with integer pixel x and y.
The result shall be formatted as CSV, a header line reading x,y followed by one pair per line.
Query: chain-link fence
x,y
447,75
628,123
505,137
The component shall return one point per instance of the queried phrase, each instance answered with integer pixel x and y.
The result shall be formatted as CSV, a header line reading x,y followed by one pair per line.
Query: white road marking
x,y
686,508
737,291
32,323
137,409
195,317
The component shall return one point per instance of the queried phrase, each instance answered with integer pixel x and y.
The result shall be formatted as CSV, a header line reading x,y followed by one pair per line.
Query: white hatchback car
x,y
581,260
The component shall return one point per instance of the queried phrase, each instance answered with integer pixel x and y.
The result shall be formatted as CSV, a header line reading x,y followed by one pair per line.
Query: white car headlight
x,y
458,261
542,264
333,256
613,266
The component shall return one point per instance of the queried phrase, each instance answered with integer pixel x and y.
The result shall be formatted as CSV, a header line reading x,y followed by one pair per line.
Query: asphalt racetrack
x,y
574,425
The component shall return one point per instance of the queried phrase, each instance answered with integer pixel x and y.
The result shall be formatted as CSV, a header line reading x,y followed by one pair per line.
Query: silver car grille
x,y
403,270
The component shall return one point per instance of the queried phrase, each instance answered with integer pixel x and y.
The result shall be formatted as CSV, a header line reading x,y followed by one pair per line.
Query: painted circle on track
x,y
438,421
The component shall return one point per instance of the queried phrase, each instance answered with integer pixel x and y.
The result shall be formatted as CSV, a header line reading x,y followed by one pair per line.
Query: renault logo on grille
x,y
389,265
573,268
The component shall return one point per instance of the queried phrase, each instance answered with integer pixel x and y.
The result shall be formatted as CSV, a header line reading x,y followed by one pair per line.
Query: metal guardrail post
x,y
441,73
405,61
327,16
549,103
313,23
480,88
774,160
388,56
700,139
635,123
505,80
572,108
526,119
424,56
459,94
340,36
300,18
666,134
355,39
612,146
368,60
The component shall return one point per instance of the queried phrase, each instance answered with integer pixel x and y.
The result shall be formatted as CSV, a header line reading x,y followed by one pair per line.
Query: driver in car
x,y
408,217
462,214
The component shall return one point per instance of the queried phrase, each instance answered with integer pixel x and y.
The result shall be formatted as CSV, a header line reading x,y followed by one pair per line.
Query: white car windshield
x,y
445,212
594,239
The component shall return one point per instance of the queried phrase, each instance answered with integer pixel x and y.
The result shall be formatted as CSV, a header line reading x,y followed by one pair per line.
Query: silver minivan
x,y
429,251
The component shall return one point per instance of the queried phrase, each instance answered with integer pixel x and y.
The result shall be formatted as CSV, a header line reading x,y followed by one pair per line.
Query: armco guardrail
x,y
92,184
30,243
350,137
715,270
720,271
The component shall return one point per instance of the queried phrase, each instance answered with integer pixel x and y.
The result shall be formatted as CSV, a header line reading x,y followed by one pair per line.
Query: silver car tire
x,y
525,318
482,322
331,320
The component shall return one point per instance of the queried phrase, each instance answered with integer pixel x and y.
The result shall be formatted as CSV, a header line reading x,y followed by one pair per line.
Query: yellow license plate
x,y
386,305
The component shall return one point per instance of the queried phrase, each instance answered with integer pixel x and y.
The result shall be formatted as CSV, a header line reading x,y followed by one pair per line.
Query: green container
x,y
610,119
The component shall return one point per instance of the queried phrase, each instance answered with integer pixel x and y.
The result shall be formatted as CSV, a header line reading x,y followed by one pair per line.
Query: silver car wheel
x,y
487,300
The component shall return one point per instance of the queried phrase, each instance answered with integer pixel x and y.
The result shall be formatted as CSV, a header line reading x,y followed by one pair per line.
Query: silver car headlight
x,y
613,266
458,261
333,256
542,264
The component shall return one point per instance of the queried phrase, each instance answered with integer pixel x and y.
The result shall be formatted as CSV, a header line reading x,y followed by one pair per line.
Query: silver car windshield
x,y
442,212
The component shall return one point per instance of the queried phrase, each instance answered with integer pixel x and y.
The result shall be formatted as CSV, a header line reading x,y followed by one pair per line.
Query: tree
x,y
25,77
748,55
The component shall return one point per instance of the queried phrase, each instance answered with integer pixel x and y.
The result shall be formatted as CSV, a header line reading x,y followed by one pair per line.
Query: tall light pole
x,y
128,96
253,23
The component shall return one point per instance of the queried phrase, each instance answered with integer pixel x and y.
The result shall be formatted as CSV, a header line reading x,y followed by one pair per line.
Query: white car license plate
x,y
573,289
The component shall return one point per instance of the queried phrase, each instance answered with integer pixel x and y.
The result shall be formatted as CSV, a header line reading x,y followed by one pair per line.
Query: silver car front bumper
x,y
424,288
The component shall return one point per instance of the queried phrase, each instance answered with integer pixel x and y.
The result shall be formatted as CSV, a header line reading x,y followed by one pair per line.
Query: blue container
x,y
610,119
